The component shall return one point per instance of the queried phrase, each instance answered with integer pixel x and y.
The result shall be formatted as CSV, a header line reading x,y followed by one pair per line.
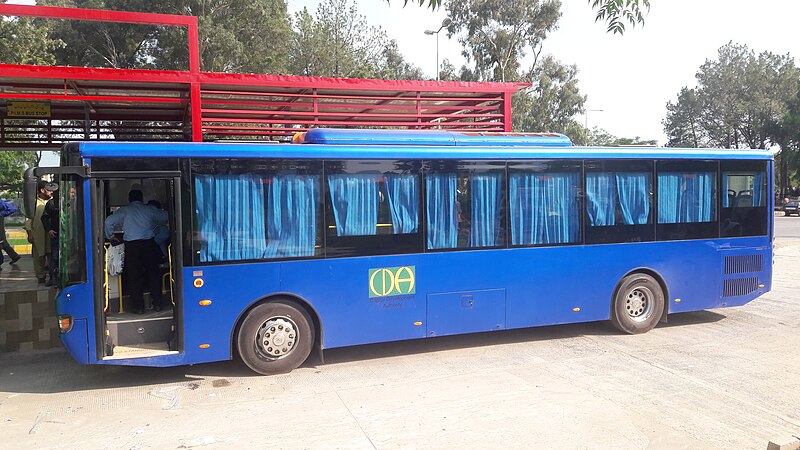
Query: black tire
x,y
638,304
275,337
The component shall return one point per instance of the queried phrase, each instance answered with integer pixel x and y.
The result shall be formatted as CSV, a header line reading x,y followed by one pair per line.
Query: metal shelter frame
x,y
86,103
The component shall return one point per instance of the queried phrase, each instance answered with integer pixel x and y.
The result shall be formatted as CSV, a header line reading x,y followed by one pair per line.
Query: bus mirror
x,y
29,193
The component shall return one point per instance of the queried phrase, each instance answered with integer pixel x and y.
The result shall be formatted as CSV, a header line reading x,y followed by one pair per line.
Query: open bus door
x,y
121,333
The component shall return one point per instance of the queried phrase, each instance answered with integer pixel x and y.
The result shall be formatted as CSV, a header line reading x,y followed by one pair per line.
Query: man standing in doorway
x,y
142,256
37,236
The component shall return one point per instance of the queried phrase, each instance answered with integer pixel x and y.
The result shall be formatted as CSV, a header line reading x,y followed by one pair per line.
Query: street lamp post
x,y
445,22
586,117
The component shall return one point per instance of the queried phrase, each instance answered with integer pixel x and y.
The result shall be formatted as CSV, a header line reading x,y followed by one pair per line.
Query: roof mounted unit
x,y
331,136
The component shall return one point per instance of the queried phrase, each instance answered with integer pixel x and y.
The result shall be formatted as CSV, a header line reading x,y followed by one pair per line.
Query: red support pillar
x,y
507,111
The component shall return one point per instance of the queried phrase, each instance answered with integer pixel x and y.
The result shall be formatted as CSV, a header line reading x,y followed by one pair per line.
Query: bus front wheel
x,y
275,337
638,304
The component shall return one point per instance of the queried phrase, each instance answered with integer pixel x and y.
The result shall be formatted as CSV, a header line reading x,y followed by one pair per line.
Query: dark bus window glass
x,y
744,199
71,244
687,200
619,201
372,207
256,209
463,202
544,202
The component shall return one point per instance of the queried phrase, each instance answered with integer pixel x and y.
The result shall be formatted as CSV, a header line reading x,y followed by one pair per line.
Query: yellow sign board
x,y
29,109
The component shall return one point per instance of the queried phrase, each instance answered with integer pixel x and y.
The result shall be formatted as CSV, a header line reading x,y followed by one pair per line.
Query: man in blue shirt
x,y
142,255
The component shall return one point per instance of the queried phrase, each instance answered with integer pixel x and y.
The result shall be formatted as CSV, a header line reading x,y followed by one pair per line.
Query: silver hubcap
x,y
639,304
276,337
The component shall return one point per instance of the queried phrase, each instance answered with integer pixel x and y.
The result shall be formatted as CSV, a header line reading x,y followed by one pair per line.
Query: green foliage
x,y
338,42
616,12
497,34
613,12
12,167
243,36
25,41
553,103
738,99
599,137
683,124
103,44
240,36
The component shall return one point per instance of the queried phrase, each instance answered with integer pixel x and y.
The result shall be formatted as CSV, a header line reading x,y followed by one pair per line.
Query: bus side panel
x,y
231,289
348,295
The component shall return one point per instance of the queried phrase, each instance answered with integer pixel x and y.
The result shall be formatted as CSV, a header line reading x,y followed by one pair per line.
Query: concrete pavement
x,y
726,378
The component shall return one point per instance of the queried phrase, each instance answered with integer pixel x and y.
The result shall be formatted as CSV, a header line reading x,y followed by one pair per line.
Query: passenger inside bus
x,y
142,255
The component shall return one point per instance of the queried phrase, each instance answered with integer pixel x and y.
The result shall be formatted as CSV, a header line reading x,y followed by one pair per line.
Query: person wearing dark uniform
x,y
142,255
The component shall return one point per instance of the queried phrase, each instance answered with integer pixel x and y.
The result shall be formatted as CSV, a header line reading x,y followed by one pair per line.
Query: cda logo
x,y
389,281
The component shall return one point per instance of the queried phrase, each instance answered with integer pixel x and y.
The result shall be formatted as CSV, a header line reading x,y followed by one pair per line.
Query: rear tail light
x,y
65,323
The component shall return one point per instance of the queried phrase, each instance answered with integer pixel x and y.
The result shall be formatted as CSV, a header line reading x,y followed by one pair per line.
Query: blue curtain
x,y
442,210
634,196
293,202
354,199
758,189
685,197
230,217
601,199
403,202
726,199
544,208
485,225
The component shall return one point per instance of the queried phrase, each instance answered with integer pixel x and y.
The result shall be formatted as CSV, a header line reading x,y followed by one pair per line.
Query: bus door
x,y
124,331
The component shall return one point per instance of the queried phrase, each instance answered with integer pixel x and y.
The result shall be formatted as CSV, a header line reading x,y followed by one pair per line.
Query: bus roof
x,y
394,151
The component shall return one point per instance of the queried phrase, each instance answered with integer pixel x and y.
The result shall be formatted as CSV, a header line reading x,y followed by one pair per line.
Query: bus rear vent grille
x,y
744,264
737,287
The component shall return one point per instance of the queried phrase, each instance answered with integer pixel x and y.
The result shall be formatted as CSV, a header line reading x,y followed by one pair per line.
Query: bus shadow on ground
x,y
475,340
54,371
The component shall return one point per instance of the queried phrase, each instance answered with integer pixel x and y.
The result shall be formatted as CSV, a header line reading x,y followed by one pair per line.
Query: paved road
x,y
787,227
718,379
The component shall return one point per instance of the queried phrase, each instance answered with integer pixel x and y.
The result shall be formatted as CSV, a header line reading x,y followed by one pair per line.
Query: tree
x,y
12,166
25,41
552,103
337,42
615,13
243,36
737,100
103,44
497,34
395,67
602,138
683,123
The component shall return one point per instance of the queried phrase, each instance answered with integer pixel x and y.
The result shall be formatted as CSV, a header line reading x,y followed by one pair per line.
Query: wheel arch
x,y
656,276
300,301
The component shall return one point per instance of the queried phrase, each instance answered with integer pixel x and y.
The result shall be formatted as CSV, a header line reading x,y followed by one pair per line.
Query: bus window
x,y
464,204
619,201
372,207
687,200
253,210
544,202
744,199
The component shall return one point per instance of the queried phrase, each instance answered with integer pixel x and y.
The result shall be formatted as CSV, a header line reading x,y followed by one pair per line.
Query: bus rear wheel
x,y
638,304
275,337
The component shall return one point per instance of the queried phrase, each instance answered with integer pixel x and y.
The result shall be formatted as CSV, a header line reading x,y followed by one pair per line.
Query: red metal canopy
x,y
80,103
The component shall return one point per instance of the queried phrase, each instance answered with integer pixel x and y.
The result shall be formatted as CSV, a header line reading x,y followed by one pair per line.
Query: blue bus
x,y
349,237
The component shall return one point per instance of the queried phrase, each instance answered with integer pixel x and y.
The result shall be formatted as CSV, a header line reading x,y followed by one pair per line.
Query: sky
x,y
627,79
630,77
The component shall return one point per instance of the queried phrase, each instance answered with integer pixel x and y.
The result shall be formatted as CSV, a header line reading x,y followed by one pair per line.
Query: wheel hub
x,y
276,337
639,304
